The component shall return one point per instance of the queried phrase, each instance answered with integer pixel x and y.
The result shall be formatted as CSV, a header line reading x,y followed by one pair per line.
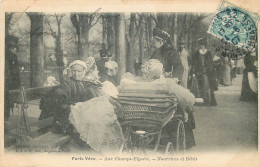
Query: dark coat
x,y
12,72
247,94
202,66
170,59
57,102
12,79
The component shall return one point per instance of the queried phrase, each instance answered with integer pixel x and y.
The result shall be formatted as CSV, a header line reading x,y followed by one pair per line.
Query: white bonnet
x,y
79,62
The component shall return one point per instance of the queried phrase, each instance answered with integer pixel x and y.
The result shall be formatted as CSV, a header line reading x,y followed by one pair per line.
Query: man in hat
x,y
184,55
105,56
12,73
167,54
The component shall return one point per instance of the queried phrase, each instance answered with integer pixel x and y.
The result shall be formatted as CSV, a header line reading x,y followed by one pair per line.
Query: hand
x,y
193,75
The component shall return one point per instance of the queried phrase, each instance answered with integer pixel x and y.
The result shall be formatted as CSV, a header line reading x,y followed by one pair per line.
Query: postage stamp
x,y
237,30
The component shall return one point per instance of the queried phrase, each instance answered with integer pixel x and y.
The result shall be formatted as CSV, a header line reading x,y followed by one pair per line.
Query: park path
x,y
229,126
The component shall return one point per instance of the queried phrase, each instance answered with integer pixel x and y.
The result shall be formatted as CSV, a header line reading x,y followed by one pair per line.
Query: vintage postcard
x,y
129,83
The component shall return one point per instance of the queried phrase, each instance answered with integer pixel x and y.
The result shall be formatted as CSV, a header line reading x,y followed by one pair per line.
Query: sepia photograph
x,y
130,86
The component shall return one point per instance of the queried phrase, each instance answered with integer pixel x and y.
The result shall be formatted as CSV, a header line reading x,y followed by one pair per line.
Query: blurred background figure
x,y
138,65
185,59
110,73
105,56
250,77
12,72
225,72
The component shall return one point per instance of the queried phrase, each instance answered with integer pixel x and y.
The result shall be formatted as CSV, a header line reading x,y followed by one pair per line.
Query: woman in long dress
x,y
203,70
249,91
226,72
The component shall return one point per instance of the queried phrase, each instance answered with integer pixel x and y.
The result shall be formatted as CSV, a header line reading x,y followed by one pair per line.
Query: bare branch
x,y
139,25
50,28
96,21
155,20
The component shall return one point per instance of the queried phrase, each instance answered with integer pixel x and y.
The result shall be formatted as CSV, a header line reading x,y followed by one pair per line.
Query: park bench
x,y
43,138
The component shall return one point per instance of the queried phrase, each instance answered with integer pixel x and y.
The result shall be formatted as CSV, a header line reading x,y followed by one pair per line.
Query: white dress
x,y
96,122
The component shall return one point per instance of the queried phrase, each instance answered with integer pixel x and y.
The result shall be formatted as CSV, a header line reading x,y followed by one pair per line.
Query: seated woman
x,y
95,120
153,73
66,104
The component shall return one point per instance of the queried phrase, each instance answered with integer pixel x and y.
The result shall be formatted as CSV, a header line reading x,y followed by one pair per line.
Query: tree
x,y
134,32
57,37
141,37
149,33
36,50
120,44
83,22
58,47
8,18
110,32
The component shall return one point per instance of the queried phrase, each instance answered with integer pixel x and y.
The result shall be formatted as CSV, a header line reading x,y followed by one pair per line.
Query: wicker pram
x,y
145,113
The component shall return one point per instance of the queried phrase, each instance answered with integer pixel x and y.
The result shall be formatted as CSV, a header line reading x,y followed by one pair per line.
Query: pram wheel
x,y
180,144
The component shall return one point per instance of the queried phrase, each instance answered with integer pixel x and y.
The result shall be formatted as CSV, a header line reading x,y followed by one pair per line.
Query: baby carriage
x,y
144,114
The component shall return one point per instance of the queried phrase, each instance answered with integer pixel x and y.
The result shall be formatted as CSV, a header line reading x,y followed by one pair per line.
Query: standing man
x,y
167,54
12,73
184,55
105,56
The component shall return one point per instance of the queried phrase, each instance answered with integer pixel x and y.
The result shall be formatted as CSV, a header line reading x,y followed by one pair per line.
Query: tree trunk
x,y
59,53
36,50
141,37
162,21
104,29
120,44
8,17
84,36
175,29
131,45
148,34
182,28
111,33
189,33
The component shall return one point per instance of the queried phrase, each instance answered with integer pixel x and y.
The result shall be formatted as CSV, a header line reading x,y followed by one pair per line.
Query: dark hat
x,y
12,41
104,52
160,34
202,41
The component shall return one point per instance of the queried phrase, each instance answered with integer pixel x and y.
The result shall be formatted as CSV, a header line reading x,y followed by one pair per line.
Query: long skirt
x,y
247,94
226,75
205,91
185,77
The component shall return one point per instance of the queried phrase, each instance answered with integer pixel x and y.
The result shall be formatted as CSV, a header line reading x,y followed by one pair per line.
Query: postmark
x,y
236,29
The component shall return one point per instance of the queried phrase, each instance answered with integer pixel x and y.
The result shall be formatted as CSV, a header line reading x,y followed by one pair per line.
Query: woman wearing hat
x,y
167,54
203,70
